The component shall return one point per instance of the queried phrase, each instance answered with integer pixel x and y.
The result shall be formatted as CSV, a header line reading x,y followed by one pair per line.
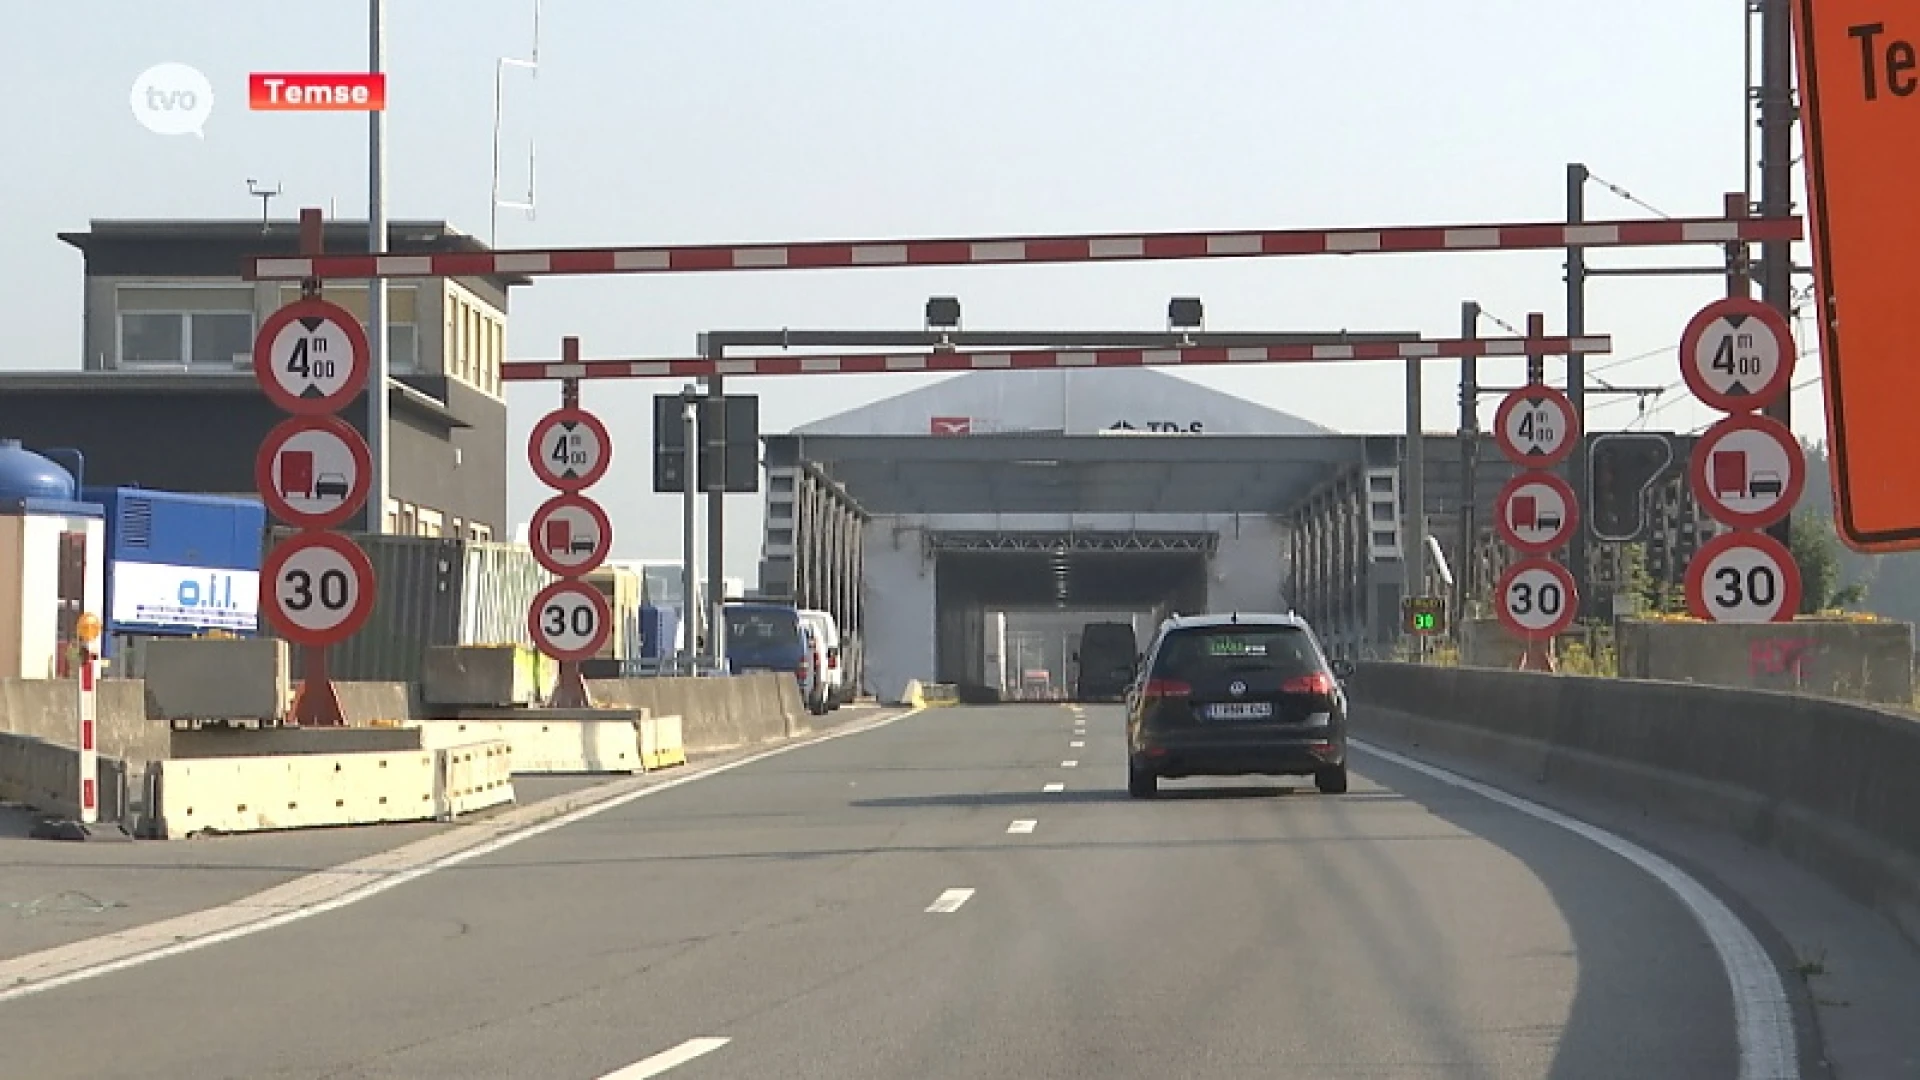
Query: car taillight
x,y
800,672
1317,683
1157,688
833,661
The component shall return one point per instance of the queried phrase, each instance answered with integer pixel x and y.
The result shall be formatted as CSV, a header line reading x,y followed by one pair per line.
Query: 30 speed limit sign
x,y
1743,577
570,620
317,588
1536,598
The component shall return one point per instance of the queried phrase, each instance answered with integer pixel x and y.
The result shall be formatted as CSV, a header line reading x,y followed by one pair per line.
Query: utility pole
x,y
1577,176
377,433
1777,116
689,531
712,452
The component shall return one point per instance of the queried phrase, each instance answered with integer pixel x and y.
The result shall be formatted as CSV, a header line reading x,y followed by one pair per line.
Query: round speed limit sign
x,y
317,588
1743,577
1537,598
569,620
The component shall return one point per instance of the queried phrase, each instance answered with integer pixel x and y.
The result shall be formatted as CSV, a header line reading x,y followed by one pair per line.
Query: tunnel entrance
x,y
1004,602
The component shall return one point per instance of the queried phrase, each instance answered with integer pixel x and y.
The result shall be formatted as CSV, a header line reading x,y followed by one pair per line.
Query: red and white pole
x,y
89,634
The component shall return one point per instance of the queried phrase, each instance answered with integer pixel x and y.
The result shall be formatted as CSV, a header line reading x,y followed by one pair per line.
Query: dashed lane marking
x,y
949,902
1022,826
1051,788
1069,764
668,1059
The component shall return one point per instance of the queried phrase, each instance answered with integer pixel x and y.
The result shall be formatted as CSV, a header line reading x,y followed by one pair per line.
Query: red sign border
x,y
578,501
1503,524
1776,325
541,599
270,594
360,357
1564,620
554,419
277,439
1697,575
1530,392
1719,511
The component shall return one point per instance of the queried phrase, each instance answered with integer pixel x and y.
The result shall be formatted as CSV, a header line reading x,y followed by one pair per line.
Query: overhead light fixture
x,y
1185,313
943,313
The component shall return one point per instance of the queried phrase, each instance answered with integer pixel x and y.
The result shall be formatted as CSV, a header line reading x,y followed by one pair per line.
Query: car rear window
x,y
1200,652
763,629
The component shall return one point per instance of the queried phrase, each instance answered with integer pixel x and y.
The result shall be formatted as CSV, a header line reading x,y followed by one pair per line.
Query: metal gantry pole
x,y
1776,181
1414,472
1463,571
689,531
378,443
714,454
1577,176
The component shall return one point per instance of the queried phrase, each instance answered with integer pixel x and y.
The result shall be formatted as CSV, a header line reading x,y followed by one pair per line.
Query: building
x,y
165,396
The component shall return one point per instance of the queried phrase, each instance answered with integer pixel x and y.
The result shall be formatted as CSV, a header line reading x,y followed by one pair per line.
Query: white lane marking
x,y
1068,764
1023,826
949,902
25,985
1050,788
1077,744
667,1059
1762,1014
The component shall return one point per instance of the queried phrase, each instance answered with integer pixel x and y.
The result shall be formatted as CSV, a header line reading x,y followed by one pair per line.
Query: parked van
x,y
839,682
771,637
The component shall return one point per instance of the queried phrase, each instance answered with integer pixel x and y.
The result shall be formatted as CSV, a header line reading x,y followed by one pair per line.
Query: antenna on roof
x,y
265,197
532,65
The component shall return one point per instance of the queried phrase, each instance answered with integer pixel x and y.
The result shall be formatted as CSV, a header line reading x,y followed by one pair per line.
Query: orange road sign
x,y
1860,119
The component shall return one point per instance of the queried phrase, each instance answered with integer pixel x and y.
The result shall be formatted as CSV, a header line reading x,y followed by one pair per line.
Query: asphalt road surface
x,y
913,903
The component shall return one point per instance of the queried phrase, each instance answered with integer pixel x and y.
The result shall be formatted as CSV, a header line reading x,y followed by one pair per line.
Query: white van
x,y
839,689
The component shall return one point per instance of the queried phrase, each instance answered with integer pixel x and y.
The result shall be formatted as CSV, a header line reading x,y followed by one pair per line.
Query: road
x,y
1409,929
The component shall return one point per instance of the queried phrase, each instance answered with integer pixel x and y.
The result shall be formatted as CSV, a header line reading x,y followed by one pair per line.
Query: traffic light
x,y
1620,469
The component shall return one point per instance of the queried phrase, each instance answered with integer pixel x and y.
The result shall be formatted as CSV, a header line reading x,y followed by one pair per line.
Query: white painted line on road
x,y
19,976
1077,743
1068,764
668,1059
1051,788
1762,1013
949,901
1023,826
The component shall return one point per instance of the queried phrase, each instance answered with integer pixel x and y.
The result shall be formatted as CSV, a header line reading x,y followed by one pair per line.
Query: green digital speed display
x,y
1423,615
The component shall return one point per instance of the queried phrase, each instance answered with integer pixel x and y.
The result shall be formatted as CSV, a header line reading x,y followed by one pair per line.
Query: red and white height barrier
x,y
1039,359
1001,251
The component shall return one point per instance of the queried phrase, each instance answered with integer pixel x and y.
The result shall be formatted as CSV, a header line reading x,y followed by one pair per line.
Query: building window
x,y
432,523
175,339
479,533
403,348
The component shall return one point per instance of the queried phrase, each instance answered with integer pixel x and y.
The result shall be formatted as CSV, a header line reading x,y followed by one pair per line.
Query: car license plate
x,y
1250,710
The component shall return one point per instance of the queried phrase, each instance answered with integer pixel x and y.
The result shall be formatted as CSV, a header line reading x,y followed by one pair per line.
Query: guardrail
x,y
1829,784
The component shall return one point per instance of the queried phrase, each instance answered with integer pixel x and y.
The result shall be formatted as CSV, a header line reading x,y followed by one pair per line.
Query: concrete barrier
x,y
662,741
1856,660
1829,784
715,714
539,741
46,777
294,791
923,695
49,710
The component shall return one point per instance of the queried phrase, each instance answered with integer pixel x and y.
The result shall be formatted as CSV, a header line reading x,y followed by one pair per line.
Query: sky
x,y
723,121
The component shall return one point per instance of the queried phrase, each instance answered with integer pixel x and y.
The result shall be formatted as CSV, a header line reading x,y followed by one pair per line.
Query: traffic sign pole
x,y
89,634
569,450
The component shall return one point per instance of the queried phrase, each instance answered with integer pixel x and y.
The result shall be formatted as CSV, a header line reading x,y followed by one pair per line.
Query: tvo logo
x,y
172,99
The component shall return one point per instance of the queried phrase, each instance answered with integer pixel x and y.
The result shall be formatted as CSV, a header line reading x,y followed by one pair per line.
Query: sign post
x,y
314,472
570,621
1536,514
1748,470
